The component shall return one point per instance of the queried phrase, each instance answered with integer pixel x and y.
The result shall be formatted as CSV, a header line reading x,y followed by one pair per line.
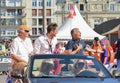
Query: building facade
x,y
29,12
36,21
12,14
94,12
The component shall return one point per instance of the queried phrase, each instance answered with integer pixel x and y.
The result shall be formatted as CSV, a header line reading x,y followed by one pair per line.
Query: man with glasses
x,y
21,46
21,49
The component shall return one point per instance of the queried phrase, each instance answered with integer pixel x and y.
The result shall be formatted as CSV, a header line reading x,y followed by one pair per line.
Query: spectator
x,y
0,49
97,46
111,55
3,48
104,55
118,54
76,45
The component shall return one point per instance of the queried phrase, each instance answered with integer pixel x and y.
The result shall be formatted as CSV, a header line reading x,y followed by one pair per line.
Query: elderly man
x,y
76,45
21,47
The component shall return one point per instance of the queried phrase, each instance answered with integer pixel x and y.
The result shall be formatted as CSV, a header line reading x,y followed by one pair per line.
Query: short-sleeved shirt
x,y
103,55
72,45
21,48
43,46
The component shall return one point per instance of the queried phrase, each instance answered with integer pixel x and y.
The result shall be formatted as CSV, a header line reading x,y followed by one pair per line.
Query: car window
x,y
57,67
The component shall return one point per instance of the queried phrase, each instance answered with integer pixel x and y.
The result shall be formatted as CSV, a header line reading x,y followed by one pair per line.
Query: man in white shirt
x,y
46,44
21,47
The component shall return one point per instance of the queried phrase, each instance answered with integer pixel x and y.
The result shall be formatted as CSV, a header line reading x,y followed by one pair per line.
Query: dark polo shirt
x,y
72,45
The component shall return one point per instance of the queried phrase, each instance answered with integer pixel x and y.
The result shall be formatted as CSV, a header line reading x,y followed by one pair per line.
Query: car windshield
x,y
68,67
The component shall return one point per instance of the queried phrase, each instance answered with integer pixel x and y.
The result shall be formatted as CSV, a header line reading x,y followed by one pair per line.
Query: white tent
x,y
77,21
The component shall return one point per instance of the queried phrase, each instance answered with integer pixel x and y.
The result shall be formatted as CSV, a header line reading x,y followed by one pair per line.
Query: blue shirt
x,y
72,45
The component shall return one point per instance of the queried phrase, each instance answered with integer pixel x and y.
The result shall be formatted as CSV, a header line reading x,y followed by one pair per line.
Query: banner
x,y
4,63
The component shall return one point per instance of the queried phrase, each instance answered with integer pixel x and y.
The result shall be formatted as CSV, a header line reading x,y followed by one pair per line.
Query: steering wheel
x,y
87,73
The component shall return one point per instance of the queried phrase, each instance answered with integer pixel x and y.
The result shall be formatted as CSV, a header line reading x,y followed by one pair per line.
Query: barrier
x,y
4,61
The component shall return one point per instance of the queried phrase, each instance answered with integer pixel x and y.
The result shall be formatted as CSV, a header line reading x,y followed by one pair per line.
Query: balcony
x,y
11,6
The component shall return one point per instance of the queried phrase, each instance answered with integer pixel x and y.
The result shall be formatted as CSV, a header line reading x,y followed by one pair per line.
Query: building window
x,y
2,2
34,31
40,30
3,22
34,12
48,12
11,21
97,21
34,22
40,3
11,32
69,6
34,3
18,2
10,3
48,3
19,12
2,12
48,21
11,12
112,7
81,7
40,21
3,31
40,12
19,21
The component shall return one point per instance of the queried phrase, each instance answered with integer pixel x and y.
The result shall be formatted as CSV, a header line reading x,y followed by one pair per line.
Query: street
x,y
3,78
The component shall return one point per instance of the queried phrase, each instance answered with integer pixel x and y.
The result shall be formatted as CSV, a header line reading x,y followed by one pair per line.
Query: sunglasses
x,y
26,30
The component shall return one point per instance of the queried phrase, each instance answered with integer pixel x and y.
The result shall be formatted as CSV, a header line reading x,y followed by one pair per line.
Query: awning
x,y
114,30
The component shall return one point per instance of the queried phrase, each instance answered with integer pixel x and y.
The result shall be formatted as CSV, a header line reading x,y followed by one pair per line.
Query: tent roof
x,y
77,21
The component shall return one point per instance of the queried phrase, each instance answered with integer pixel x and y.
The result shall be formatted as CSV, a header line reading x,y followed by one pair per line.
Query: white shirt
x,y
42,45
21,48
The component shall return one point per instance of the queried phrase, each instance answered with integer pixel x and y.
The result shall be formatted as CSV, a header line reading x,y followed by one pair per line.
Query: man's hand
x,y
79,47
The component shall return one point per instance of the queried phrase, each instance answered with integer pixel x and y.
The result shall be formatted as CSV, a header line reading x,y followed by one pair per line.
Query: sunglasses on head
x,y
26,31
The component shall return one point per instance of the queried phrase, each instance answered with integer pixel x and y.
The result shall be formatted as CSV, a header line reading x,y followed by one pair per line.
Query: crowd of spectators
x,y
5,47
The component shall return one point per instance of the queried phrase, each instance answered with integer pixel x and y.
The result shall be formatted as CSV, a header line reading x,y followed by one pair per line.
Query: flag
x,y
72,12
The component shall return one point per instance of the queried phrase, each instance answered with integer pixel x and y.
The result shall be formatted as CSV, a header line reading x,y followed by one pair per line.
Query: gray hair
x,y
72,31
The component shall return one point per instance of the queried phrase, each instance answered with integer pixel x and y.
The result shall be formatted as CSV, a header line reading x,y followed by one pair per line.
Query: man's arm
x,y
79,47
17,58
93,50
37,46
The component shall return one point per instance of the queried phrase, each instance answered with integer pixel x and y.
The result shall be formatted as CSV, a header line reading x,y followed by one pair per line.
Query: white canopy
x,y
77,21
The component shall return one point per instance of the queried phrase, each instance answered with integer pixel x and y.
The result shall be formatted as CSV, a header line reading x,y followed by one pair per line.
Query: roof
x,y
77,21
114,30
107,26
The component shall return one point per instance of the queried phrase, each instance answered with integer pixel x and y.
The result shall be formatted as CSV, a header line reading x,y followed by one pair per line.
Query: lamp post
x,y
44,16
86,9
107,6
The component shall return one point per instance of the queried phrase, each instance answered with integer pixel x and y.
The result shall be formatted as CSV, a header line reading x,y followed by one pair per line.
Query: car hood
x,y
73,80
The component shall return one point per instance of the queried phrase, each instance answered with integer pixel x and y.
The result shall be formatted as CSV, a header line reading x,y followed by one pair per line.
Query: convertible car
x,y
67,69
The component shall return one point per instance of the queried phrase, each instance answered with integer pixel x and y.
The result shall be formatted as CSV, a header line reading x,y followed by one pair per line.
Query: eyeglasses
x,y
26,31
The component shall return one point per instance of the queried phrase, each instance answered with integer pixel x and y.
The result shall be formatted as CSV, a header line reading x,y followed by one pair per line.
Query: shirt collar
x,y
21,39
75,39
